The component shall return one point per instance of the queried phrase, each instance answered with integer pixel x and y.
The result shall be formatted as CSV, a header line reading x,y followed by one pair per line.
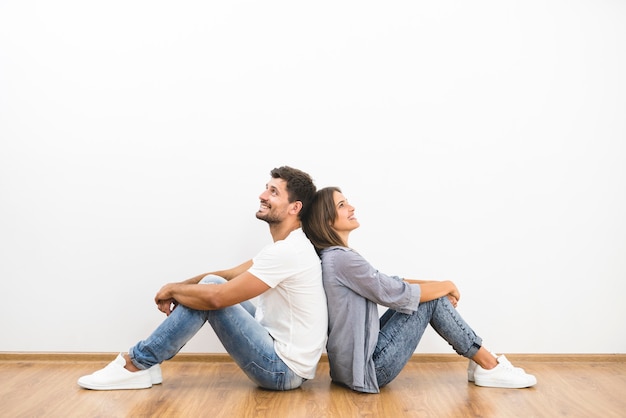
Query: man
x,y
279,342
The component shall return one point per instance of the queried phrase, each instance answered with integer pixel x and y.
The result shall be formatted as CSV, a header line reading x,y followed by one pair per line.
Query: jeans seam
x,y
462,325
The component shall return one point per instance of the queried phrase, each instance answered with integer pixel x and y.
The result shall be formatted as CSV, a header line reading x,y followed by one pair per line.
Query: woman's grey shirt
x,y
354,289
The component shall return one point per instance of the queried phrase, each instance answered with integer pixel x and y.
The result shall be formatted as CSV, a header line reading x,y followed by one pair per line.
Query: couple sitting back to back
x,y
278,341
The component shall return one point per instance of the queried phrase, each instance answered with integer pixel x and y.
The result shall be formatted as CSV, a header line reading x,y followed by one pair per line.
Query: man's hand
x,y
164,300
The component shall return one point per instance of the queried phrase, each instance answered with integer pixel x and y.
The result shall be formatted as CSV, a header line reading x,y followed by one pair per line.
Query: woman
x,y
366,352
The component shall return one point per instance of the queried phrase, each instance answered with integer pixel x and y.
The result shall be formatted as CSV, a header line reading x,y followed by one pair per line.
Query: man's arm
x,y
211,296
233,272
226,274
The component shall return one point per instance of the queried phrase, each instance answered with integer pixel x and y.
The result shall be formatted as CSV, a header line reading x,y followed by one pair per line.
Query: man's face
x,y
274,202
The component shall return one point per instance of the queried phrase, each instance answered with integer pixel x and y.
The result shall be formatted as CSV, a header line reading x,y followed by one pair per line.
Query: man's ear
x,y
296,207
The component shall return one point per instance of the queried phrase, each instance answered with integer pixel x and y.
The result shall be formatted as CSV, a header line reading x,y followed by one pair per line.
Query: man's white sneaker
x,y
115,376
504,375
155,374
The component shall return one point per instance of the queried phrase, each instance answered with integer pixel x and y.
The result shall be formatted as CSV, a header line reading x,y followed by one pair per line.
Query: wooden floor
x,y
429,386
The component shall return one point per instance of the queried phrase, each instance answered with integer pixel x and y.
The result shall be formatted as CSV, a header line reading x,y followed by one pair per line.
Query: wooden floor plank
x,y
47,388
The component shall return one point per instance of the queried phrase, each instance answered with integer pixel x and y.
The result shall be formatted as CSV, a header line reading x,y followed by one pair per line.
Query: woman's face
x,y
345,220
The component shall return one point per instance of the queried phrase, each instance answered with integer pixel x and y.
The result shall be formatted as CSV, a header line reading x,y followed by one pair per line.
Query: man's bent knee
x,y
212,279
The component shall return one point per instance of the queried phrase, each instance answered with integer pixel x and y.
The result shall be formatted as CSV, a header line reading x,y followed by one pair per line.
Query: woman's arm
x,y
413,281
431,290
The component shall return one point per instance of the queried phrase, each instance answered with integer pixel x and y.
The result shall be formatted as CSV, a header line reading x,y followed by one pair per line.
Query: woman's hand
x,y
454,293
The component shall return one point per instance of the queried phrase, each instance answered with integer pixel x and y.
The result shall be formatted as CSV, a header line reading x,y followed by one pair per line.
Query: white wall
x,y
482,142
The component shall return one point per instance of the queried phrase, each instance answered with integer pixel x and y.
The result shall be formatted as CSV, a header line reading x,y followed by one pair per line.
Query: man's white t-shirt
x,y
293,310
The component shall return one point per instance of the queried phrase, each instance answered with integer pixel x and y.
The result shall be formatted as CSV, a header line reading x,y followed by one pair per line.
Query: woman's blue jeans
x,y
400,333
247,342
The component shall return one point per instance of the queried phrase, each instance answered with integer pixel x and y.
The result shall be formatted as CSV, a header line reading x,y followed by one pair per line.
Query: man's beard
x,y
268,217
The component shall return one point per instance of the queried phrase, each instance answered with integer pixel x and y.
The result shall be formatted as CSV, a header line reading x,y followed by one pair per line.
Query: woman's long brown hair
x,y
318,220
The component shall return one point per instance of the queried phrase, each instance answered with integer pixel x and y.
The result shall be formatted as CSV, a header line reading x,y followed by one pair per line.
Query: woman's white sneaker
x,y
504,375
471,368
114,376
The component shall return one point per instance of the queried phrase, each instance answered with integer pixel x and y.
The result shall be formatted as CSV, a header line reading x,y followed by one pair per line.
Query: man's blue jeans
x,y
247,342
400,333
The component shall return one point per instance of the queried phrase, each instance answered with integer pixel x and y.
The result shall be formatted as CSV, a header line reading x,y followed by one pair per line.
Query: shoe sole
x,y
504,385
114,387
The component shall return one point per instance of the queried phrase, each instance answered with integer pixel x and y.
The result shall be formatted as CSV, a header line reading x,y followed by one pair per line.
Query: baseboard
x,y
223,357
